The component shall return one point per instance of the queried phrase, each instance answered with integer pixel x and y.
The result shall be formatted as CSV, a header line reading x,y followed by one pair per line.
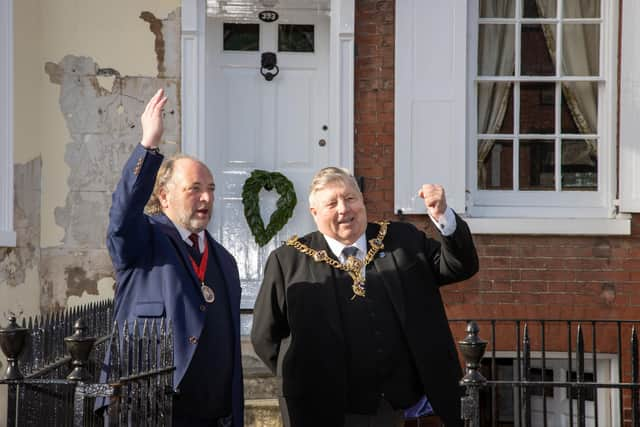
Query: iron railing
x,y
535,395
55,362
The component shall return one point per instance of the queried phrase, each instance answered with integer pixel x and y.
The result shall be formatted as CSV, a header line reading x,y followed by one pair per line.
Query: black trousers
x,y
302,413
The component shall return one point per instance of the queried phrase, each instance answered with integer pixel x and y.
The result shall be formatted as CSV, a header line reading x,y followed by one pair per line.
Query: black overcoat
x,y
297,329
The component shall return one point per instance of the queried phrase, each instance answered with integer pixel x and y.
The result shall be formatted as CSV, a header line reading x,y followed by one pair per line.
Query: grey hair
x,y
330,175
163,178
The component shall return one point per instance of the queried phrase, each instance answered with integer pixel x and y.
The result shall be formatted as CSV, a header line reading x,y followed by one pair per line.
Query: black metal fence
x,y
550,373
55,363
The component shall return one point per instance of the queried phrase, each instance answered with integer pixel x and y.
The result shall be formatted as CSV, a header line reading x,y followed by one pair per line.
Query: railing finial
x,y
472,348
79,346
12,339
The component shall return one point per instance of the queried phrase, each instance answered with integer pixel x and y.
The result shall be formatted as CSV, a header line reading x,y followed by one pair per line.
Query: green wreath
x,y
258,180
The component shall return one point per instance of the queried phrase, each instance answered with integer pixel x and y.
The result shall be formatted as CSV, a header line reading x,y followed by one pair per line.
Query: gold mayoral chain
x,y
353,265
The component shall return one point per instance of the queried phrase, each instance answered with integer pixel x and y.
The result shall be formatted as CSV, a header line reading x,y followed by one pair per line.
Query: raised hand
x,y
151,119
434,199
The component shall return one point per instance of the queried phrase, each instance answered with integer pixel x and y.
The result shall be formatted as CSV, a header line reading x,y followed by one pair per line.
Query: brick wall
x,y
521,276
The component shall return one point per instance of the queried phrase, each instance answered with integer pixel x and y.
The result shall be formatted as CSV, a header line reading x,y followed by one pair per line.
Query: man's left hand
x,y
434,199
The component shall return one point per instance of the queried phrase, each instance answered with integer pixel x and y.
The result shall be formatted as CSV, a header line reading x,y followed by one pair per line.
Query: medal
x,y
207,293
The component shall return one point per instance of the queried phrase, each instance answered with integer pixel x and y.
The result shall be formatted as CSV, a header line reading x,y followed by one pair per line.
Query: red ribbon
x,y
202,268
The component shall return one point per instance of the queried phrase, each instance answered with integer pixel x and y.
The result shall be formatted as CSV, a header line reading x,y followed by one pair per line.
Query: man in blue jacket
x,y
168,266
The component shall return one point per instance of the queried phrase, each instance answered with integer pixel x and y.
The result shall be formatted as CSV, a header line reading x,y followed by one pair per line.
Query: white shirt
x,y
447,223
337,247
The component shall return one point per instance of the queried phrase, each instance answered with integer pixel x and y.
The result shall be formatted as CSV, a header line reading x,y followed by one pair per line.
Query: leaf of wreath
x,y
285,205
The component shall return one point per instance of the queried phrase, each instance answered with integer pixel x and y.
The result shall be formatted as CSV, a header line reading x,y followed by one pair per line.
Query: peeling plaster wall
x,y
80,131
104,128
113,34
73,132
19,267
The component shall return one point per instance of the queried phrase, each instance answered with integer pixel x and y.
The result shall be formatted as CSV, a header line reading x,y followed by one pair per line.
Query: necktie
x,y
194,238
349,251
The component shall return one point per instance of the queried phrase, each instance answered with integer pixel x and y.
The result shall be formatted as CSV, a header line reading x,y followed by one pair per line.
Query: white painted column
x,y
341,83
194,14
7,233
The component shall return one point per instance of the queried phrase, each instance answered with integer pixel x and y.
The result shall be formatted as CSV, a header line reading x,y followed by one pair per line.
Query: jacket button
x,y
193,340
202,307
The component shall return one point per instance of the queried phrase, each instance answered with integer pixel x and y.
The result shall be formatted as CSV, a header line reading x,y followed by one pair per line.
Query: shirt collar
x,y
337,247
184,235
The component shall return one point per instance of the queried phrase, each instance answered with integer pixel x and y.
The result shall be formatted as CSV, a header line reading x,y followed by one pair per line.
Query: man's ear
x,y
162,197
313,211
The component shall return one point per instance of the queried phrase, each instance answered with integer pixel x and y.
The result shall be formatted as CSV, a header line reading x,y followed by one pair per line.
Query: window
x,y
243,37
541,139
295,38
554,404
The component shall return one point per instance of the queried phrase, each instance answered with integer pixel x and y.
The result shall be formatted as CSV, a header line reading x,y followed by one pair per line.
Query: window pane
x,y
580,107
495,112
588,393
581,9
536,374
537,107
536,57
580,50
295,38
245,37
496,50
497,9
579,165
495,165
538,9
537,165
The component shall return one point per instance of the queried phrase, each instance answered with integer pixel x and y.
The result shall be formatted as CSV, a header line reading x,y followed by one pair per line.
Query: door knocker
x,y
269,62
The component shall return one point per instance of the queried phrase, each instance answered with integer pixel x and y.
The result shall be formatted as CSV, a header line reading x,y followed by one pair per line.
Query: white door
x,y
279,125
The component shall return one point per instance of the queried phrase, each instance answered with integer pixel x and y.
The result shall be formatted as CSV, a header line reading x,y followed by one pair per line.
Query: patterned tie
x,y
194,238
349,251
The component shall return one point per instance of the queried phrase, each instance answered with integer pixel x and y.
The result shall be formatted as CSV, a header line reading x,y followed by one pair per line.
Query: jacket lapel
x,y
174,236
323,273
226,269
385,263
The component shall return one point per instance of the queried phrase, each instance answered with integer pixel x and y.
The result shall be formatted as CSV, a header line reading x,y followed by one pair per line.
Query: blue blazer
x,y
154,278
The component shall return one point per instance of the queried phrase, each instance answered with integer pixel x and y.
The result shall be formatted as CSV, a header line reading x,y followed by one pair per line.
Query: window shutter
x,y
430,100
630,110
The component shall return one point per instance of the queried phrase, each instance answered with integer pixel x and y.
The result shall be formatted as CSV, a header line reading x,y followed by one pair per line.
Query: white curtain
x,y
496,53
580,57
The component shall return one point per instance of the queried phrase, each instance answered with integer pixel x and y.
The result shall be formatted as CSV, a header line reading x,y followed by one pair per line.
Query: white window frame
x,y
607,371
543,212
7,232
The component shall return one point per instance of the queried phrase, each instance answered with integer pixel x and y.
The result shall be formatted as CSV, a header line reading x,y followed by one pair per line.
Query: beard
x,y
191,222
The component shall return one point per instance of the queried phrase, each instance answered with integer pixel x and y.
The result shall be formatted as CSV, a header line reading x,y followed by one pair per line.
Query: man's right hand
x,y
151,120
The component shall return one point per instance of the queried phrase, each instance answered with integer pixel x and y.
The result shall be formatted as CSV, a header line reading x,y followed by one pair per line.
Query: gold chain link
x,y
353,266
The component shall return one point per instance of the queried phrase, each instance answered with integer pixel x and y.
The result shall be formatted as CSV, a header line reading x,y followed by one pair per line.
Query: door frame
x,y
341,81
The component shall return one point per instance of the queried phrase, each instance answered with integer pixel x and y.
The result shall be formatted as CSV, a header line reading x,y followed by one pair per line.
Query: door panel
x,y
258,124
